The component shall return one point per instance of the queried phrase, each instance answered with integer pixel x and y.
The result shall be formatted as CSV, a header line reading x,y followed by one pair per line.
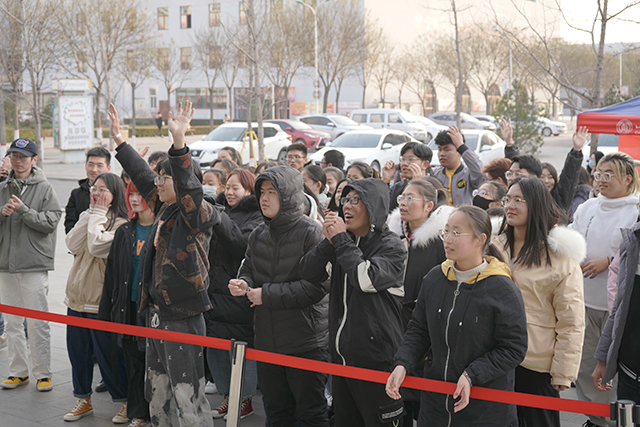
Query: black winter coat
x,y
568,180
366,284
78,202
230,317
481,330
293,315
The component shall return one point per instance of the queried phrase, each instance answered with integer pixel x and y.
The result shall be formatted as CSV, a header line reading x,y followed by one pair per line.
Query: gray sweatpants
x,y
175,376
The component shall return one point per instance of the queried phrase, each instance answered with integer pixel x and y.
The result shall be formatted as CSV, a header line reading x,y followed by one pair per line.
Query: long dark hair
x,y
554,174
118,208
480,223
543,215
333,206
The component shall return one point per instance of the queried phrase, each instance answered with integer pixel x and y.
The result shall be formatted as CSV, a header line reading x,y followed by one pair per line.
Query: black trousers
x,y
528,381
294,397
357,403
134,359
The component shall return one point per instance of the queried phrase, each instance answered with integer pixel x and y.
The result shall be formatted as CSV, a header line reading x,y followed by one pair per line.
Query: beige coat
x,y
554,303
90,243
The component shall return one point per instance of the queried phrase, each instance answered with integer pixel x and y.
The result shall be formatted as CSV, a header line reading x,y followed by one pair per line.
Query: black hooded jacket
x,y
79,200
366,284
293,315
230,317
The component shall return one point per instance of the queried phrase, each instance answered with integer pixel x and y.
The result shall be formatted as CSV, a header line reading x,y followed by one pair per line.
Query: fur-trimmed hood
x,y
569,243
427,232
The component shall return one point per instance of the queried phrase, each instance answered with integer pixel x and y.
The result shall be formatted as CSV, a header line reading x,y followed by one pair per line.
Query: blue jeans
x,y
628,388
220,366
82,344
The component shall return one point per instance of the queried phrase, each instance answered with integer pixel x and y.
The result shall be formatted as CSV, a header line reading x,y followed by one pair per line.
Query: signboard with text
x,y
76,122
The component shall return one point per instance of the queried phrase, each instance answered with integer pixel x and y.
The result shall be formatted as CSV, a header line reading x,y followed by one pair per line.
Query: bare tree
x,y
373,42
383,73
402,72
340,38
208,58
96,35
12,57
424,62
230,65
172,68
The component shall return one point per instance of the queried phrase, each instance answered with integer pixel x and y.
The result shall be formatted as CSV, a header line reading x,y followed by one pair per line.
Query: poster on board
x,y
76,122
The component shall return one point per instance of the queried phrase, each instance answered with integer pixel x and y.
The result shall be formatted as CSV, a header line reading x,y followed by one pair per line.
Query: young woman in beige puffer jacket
x,y
545,265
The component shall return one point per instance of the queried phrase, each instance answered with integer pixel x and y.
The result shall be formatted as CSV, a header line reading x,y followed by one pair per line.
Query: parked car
x,y
302,133
607,143
486,143
466,121
488,119
206,150
334,124
431,127
390,118
373,147
549,127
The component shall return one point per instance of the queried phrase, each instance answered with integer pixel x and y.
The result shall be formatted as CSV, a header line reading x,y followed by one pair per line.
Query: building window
x,y
153,97
132,19
185,17
131,60
242,59
81,23
199,97
185,58
214,15
215,57
244,8
82,62
163,59
163,18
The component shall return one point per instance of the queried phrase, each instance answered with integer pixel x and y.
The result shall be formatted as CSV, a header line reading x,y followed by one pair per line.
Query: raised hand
x,y
178,126
388,171
507,131
580,138
455,135
115,124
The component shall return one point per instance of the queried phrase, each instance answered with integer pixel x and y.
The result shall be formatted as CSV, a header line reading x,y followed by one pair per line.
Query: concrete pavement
x,y
25,407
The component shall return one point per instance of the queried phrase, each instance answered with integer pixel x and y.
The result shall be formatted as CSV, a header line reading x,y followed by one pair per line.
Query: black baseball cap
x,y
24,146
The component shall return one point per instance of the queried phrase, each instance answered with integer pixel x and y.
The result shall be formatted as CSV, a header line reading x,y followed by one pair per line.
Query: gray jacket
x,y
28,236
609,344
467,177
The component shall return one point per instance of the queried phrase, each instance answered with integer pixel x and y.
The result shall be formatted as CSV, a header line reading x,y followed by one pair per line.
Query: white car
x,y
549,127
206,150
485,143
334,124
431,127
373,147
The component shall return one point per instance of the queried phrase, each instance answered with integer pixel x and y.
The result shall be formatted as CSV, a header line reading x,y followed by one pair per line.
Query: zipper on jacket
x,y
344,315
446,340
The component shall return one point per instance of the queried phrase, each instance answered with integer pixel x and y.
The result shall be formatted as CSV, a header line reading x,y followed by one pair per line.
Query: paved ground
x,y
25,407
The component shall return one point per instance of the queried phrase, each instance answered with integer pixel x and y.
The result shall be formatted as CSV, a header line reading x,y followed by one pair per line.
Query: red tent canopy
x,y
621,119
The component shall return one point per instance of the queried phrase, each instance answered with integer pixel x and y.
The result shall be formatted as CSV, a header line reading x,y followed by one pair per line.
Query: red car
x,y
303,133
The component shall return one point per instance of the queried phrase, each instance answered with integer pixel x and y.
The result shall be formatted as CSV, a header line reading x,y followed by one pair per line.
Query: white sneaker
x,y
210,388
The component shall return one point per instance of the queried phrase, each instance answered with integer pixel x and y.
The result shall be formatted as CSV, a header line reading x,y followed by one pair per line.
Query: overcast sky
x,y
582,13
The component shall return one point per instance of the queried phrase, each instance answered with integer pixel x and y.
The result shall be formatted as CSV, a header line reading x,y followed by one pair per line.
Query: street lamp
x,y
316,83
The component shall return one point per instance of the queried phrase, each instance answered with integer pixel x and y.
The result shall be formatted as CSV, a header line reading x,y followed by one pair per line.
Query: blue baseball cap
x,y
24,146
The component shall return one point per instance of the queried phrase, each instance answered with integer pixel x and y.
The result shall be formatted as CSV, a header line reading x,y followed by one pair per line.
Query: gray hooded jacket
x,y
28,236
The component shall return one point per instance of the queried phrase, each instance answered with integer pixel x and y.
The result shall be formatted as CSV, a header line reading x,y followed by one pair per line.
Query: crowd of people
x,y
504,275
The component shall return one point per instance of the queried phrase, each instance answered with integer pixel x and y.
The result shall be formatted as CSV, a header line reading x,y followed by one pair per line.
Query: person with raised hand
x,y
174,278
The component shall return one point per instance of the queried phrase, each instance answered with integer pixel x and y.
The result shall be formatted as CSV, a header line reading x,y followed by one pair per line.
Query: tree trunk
x,y
459,86
364,95
229,105
98,118
133,114
325,97
35,92
210,109
338,89
488,103
168,96
3,127
16,122
400,98
599,66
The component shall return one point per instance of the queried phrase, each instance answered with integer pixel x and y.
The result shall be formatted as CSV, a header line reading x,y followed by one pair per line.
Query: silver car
x,y
466,121
334,124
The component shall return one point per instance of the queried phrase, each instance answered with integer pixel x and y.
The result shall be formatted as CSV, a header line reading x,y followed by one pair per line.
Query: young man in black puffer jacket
x,y
290,312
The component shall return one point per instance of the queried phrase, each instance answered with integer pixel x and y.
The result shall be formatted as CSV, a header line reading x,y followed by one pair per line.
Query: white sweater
x,y
600,220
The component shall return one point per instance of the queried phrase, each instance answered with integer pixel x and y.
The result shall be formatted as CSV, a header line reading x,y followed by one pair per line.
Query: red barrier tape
x,y
522,399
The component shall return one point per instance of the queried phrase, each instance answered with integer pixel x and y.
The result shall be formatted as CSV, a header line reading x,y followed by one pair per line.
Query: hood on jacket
x,y
569,243
495,268
290,187
427,232
375,196
247,204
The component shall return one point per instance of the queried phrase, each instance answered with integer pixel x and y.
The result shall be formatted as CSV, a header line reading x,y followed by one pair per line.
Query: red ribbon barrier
x,y
522,399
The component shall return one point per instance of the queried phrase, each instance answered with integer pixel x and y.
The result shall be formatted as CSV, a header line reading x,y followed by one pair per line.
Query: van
x,y
390,118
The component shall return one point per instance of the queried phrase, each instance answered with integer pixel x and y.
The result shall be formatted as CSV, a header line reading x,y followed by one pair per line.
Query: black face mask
x,y
481,202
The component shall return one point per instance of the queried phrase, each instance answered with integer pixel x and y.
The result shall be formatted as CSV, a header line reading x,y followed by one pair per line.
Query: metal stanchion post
x,y
238,349
623,413
636,415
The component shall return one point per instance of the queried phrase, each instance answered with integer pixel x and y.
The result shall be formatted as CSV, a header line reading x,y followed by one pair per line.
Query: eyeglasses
x,y
18,156
294,157
482,193
451,235
101,190
161,179
352,200
514,174
603,176
407,200
507,200
410,159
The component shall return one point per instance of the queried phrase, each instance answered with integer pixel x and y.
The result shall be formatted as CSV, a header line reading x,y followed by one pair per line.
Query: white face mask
x,y
210,190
